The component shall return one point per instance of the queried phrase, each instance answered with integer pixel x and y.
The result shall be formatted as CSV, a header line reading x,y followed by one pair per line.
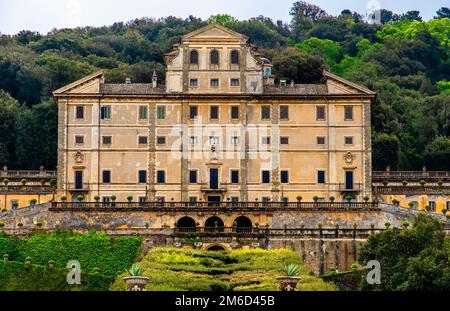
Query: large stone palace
x,y
222,128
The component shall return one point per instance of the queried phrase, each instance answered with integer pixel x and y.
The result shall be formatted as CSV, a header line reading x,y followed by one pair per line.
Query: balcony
x,y
27,174
72,187
208,189
412,189
356,187
415,176
37,189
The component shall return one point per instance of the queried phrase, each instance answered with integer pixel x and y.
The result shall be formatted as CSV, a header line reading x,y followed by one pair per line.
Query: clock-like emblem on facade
x,y
349,158
79,157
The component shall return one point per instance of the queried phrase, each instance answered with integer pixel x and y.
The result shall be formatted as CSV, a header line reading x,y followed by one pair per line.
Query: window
x,y
143,112
234,199
214,112
234,82
160,177
193,140
320,140
284,112
79,139
348,113
235,57
235,140
79,114
193,59
265,112
142,177
265,177
160,199
214,57
106,176
161,140
142,140
193,82
432,205
265,140
193,112
105,112
213,140
214,82
267,72
284,177
234,176
106,199
320,112
285,200
192,199
106,140
235,112
349,140
284,140
161,112
320,177
193,176
142,200
265,199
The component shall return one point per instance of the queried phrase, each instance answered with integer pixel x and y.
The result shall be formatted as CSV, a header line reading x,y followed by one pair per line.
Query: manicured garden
x,y
195,270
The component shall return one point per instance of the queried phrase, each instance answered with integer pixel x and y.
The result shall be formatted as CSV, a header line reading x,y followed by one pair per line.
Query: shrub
x,y
5,257
395,201
113,198
422,182
96,198
5,181
23,181
315,198
348,198
440,183
427,208
291,270
15,204
39,224
444,211
63,198
135,270
332,198
366,198
405,223
20,225
404,183
130,198
387,224
411,204
299,198
4,210
2,224
80,198
33,201
53,182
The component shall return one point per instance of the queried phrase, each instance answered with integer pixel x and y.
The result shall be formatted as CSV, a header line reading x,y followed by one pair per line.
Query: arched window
x,y
235,57
214,57
194,58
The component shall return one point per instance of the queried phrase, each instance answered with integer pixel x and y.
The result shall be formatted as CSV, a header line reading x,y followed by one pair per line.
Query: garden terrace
x,y
223,206
411,189
410,176
28,189
28,174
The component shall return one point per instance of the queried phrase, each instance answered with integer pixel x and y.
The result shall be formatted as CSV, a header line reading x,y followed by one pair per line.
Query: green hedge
x,y
92,250
16,276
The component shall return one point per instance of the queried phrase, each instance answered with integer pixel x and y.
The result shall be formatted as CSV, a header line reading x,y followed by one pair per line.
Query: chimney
x,y
154,79
128,80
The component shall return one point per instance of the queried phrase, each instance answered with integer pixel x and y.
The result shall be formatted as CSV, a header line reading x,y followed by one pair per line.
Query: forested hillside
x,y
406,60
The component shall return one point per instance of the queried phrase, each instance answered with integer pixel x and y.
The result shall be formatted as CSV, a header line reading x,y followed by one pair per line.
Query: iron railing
x,y
410,175
28,174
27,189
411,189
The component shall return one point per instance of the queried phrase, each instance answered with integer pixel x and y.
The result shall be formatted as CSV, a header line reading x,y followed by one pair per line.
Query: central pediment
x,y
214,32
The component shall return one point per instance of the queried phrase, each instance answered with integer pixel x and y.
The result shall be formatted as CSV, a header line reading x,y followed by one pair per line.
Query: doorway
x,y
349,180
213,178
78,180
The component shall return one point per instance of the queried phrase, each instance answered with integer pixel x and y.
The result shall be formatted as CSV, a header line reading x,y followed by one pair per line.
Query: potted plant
x,y
440,183
96,198
444,211
63,198
2,224
80,198
4,210
405,224
20,225
427,208
387,224
404,183
395,202
385,183
332,198
23,181
15,204
5,181
422,182
299,198
113,200
135,281
349,199
130,198
411,204
33,202
315,198
39,224
366,198
289,281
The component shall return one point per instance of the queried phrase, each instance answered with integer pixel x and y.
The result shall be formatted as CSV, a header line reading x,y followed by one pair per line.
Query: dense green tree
x,y
9,109
443,12
413,259
437,154
386,151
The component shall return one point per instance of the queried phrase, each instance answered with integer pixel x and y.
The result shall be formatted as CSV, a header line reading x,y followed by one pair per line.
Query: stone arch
x,y
186,222
214,224
193,57
242,224
216,248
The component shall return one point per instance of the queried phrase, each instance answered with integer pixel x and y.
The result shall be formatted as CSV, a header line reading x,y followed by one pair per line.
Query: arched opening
x,y
186,224
242,224
216,248
193,59
214,224
235,57
214,57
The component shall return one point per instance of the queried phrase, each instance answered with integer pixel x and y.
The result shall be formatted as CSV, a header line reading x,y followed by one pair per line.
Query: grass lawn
x,y
195,270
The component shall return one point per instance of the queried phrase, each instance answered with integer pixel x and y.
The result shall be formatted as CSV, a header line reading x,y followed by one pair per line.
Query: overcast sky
x,y
44,15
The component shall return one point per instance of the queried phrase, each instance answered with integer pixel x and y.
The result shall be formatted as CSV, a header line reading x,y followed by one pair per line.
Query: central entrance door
x,y
348,180
213,178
